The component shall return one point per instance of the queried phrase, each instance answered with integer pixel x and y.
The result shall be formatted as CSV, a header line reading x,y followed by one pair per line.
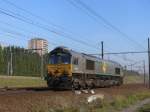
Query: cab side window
x,y
117,70
90,65
75,61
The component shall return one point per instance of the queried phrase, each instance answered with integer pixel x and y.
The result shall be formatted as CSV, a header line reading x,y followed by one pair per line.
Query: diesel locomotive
x,y
68,69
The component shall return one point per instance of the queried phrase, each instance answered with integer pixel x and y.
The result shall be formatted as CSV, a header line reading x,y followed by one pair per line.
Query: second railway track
x,y
46,89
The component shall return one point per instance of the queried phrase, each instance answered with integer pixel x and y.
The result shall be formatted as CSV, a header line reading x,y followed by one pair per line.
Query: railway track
x,y
45,89
25,99
23,90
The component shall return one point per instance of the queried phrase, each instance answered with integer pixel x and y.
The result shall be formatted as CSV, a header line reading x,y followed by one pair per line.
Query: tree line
x,y
24,62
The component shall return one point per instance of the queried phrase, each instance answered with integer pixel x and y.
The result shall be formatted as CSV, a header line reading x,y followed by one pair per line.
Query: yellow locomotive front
x,y
59,69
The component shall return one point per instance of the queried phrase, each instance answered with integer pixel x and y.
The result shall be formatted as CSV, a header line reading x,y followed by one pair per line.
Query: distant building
x,y
38,43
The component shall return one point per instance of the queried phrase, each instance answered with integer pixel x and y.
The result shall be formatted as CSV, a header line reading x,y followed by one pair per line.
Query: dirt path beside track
x,y
29,100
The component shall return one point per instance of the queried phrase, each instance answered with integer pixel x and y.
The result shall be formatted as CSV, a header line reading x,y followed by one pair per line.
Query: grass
x,y
118,103
145,108
21,81
123,101
128,79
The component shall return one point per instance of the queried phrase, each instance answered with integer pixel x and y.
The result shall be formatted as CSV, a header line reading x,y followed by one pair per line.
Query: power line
x,y
95,14
32,14
18,34
28,12
36,16
18,28
130,52
47,27
88,14
116,55
21,34
106,21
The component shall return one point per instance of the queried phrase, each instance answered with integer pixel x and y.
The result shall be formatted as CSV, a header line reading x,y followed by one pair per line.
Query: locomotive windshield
x,y
60,58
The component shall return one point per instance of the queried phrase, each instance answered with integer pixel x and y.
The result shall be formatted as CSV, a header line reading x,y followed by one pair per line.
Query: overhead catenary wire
x,y
12,32
100,17
24,35
80,2
95,15
90,10
134,63
88,14
130,52
116,55
19,34
39,17
32,14
16,33
21,29
44,27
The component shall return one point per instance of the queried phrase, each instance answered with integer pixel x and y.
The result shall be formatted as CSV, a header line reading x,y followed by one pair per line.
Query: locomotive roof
x,y
101,58
75,52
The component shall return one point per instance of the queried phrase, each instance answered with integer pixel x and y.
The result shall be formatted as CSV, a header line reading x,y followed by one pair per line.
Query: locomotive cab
x,y
59,67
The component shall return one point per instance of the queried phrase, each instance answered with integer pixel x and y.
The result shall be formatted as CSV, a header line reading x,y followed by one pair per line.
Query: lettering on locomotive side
x,y
104,67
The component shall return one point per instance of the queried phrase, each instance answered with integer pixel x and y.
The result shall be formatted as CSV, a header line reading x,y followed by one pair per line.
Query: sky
x,y
66,17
